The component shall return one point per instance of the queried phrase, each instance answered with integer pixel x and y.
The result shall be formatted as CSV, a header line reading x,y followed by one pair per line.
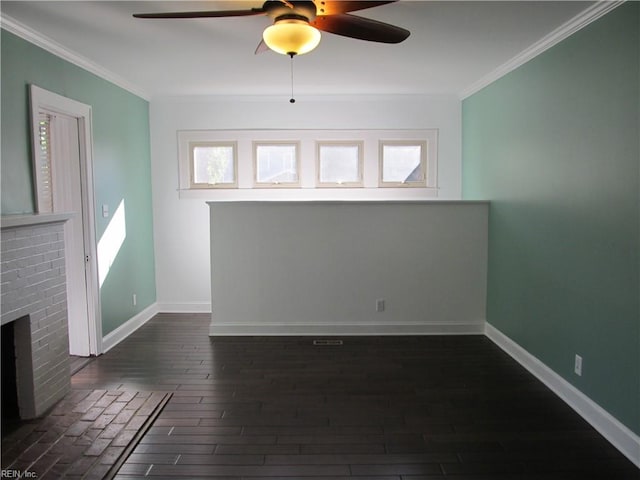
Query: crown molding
x,y
567,29
13,26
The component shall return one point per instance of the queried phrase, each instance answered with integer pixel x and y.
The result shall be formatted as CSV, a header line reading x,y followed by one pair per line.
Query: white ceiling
x,y
452,45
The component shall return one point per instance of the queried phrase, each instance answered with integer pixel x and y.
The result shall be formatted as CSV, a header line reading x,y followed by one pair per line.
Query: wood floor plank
x,y
384,408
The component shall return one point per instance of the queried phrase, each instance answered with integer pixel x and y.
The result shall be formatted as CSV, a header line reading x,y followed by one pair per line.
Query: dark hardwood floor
x,y
385,408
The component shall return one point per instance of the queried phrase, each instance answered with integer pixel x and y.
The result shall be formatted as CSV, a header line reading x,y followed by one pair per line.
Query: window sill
x,y
259,194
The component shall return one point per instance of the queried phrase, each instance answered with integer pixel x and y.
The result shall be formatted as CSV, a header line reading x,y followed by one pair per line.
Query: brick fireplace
x,y
34,299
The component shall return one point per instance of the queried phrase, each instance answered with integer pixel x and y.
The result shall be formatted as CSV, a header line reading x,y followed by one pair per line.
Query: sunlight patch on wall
x,y
111,242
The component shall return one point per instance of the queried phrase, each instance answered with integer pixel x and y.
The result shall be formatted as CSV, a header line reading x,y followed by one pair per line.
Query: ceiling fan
x,y
297,23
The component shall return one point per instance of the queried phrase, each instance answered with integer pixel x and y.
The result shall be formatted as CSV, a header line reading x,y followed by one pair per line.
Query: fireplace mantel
x,y
12,221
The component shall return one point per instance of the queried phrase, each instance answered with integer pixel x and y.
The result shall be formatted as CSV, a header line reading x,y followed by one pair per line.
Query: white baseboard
x,y
184,307
621,437
609,427
123,331
236,329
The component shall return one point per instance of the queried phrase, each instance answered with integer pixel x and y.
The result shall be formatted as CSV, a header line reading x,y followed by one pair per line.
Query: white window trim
x,y
424,164
331,143
190,138
287,143
197,186
308,188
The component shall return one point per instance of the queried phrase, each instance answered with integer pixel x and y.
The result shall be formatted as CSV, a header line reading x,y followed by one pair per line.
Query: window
x,y
213,164
403,163
339,164
299,164
276,164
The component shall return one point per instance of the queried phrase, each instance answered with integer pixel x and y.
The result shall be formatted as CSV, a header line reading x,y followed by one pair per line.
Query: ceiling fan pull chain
x,y
292,100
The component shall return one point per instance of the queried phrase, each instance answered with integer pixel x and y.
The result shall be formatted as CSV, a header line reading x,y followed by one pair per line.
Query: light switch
x,y
105,211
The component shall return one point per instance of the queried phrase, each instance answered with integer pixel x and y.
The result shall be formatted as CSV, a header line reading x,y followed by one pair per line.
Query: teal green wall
x,y
122,165
554,146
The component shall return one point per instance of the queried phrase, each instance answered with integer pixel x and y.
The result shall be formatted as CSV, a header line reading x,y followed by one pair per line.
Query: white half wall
x,y
322,267
181,226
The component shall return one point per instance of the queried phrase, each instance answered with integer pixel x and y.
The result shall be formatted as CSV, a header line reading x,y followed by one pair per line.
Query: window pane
x,y
213,164
276,164
339,163
401,163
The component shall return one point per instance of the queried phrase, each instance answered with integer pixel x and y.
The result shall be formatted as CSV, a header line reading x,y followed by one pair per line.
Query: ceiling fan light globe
x,y
291,37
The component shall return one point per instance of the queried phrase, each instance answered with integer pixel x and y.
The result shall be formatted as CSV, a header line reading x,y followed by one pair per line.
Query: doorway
x,y
62,160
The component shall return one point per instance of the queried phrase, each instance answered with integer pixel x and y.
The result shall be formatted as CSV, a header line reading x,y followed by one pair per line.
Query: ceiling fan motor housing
x,y
280,10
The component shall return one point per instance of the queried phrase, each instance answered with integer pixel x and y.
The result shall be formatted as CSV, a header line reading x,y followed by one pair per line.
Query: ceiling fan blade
x,y
204,14
334,7
361,28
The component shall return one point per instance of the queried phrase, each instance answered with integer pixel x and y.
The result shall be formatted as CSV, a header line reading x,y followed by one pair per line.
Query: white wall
x,y
321,267
181,226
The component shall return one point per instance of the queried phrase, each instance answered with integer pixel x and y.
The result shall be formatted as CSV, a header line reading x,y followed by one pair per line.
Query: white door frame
x,y
44,99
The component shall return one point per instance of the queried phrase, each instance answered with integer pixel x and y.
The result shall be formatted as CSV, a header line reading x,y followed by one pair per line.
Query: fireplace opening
x,y
10,409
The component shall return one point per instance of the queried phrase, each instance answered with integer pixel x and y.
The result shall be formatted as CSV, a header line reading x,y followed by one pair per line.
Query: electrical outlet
x,y
380,305
135,299
577,368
